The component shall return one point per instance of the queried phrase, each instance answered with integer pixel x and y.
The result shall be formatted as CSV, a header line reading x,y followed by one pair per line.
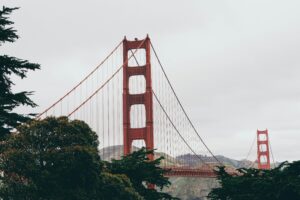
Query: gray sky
x,y
239,57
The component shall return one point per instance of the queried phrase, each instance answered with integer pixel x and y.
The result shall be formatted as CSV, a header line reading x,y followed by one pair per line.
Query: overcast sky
x,y
241,58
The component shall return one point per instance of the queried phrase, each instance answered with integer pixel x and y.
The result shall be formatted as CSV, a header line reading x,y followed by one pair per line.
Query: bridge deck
x,y
185,172
196,172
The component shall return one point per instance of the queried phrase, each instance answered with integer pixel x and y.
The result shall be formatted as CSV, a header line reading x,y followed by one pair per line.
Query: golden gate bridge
x,y
130,103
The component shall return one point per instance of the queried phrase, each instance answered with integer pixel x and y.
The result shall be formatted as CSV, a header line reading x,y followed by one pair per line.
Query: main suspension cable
x,y
185,113
169,118
176,129
83,80
251,147
274,164
110,78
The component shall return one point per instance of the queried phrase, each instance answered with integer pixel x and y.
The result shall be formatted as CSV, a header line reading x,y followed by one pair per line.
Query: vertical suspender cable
x,y
183,108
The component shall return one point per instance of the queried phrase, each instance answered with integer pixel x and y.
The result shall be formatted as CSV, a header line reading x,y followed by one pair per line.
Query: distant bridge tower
x,y
263,153
144,133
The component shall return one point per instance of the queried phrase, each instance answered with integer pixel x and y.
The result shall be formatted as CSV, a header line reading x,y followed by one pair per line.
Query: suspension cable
x,y
94,93
185,113
274,164
169,118
176,129
111,77
251,147
83,80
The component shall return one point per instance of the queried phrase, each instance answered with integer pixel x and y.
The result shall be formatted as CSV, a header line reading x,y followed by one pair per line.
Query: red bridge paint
x,y
145,133
185,172
201,172
263,154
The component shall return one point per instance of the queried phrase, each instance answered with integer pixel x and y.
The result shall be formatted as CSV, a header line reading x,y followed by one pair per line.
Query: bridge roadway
x,y
203,172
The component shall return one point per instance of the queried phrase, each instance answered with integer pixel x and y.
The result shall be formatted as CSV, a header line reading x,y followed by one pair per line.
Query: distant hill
x,y
115,152
193,160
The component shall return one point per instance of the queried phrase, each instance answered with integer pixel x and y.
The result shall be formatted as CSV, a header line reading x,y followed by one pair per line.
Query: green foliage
x,y
57,159
117,187
280,183
51,159
7,34
11,66
141,171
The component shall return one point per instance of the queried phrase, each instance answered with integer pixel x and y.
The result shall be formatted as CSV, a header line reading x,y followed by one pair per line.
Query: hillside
x,y
115,152
193,160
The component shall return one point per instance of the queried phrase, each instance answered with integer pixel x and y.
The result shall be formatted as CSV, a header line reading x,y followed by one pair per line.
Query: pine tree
x,y
11,66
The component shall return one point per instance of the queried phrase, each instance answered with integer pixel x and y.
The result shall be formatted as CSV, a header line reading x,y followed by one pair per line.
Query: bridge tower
x,y
145,133
263,154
